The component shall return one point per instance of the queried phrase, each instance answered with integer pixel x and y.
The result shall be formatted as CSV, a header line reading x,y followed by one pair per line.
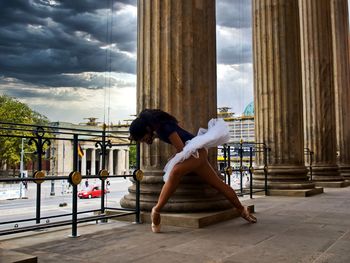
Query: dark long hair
x,y
148,121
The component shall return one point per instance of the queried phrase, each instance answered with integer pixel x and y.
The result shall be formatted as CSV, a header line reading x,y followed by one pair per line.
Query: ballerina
x,y
191,156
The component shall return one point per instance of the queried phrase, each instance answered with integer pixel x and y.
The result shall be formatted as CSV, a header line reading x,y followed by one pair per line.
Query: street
x,y
17,209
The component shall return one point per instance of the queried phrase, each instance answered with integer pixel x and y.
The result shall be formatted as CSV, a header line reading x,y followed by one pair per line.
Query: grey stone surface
x,y
289,229
9,256
192,220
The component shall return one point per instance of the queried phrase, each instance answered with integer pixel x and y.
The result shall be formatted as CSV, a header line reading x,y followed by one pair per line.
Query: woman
x,y
192,156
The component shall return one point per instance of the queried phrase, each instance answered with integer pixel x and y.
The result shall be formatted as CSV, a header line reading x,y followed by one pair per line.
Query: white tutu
x,y
217,134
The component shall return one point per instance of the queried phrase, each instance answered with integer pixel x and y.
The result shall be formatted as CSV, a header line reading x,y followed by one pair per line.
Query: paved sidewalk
x,y
290,229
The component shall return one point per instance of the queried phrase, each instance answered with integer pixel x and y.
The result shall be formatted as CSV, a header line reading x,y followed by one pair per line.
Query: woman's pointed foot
x,y
155,217
245,214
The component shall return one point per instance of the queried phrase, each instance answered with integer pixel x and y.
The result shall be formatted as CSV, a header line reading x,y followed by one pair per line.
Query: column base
x,y
190,220
327,176
344,172
192,195
287,179
333,184
295,192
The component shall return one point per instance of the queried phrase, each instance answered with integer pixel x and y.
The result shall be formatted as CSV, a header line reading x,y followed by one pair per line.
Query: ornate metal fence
x,y
243,155
43,136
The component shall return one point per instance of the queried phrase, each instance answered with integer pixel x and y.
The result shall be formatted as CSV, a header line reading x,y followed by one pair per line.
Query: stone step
x,y
333,184
295,192
10,256
190,220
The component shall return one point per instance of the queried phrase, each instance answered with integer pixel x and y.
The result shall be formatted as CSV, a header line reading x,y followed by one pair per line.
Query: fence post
x,y
250,171
39,133
311,159
138,158
265,166
38,185
225,162
229,164
75,188
241,165
103,152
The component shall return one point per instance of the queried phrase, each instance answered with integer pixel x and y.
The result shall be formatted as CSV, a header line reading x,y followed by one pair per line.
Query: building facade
x,y
241,131
90,153
242,126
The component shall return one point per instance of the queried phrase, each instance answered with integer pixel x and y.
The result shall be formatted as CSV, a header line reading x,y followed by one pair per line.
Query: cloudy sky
x,y
75,59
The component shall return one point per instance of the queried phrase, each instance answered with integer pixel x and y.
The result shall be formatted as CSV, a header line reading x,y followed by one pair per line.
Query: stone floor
x,y
290,229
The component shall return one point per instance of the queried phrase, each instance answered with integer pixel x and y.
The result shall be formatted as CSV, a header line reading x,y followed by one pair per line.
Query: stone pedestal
x,y
189,220
340,37
176,73
318,90
278,97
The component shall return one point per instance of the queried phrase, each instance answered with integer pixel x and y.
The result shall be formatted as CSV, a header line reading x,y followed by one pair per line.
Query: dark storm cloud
x,y
234,34
234,13
40,40
29,94
228,56
234,46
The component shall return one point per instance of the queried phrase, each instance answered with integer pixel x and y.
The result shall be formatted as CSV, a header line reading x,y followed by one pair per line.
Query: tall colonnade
x,y
117,159
315,31
301,86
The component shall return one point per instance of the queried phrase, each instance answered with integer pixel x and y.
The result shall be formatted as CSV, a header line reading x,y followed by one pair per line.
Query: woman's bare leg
x,y
207,173
170,186
174,179
203,168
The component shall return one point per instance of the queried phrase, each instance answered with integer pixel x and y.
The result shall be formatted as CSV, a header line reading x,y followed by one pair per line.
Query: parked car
x,y
91,192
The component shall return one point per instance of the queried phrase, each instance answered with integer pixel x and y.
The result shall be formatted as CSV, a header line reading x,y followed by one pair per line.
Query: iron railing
x,y
243,153
309,160
42,136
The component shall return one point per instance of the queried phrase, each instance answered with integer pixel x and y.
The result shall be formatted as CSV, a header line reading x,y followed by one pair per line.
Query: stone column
x,y
278,97
83,163
340,34
127,160
318,90
110,161
100,163
115,161
176,73
120,161
93,161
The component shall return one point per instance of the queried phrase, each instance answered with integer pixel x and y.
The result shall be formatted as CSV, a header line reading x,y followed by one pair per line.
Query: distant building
x,y
241,127
241,130
90,158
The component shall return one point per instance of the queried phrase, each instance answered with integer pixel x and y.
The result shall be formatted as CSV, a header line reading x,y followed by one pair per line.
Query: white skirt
x,y
216,134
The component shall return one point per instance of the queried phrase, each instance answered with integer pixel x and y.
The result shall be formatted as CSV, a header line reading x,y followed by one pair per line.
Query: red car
x,y
91,192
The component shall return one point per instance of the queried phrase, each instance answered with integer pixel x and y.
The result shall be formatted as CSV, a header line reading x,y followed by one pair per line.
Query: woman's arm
x,y
176,141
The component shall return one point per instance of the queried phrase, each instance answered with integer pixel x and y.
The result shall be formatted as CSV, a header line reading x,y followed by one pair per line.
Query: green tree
x,y
13,111
132,156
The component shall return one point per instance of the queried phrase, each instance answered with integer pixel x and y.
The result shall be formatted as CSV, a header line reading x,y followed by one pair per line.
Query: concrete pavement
x,y
289,229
